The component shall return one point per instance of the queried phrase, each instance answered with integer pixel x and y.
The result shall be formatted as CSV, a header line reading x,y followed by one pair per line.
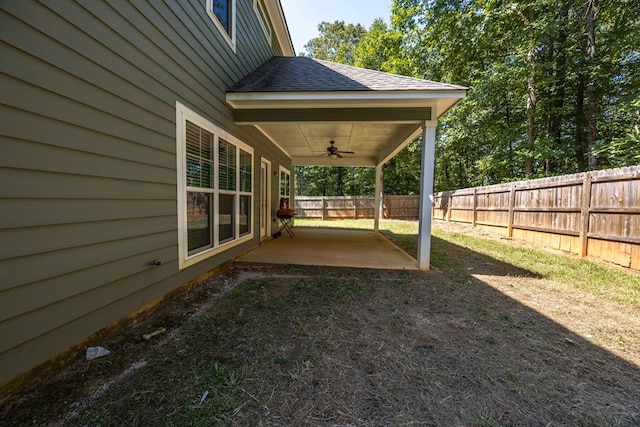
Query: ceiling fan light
x,y
332,155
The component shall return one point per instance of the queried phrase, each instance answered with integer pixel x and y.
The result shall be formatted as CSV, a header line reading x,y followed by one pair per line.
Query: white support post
x,y
377,208
426,194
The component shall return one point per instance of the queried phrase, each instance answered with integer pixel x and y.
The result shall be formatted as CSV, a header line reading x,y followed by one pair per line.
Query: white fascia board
x,y
347,99
279,22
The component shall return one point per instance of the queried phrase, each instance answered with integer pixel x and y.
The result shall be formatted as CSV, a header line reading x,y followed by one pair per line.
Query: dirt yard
x,y
476,342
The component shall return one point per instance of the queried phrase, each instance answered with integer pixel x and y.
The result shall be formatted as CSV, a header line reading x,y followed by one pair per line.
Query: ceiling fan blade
x,y
338,154
346,152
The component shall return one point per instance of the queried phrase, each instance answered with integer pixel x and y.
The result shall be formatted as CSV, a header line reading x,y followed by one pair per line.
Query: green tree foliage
x,y
402,173
381,49
554,85
337,42
334,181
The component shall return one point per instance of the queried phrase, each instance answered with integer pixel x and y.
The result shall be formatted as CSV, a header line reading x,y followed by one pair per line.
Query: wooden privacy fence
x,y
593,213
343,207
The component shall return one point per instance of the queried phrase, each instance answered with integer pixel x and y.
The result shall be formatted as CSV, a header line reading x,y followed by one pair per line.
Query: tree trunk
x,y
592,93
531,113
530,61
507,112
560,77
324,182
581,145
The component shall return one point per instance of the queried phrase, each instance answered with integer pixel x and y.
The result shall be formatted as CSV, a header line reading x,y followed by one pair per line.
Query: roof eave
x,y
341,99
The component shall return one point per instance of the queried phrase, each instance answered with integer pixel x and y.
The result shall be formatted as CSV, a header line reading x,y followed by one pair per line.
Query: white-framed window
x,y
261,13
215,188
285,182
223,16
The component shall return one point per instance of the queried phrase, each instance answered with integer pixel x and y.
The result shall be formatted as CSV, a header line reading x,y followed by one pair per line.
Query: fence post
x,y
475,205
355,207
512,203
436,198
585,213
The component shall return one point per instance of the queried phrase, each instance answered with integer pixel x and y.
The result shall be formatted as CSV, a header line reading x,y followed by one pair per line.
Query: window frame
x,y
230,36
283,191
186,257
263,19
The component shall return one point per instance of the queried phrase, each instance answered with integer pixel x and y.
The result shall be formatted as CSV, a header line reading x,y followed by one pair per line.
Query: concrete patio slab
x,y
330,247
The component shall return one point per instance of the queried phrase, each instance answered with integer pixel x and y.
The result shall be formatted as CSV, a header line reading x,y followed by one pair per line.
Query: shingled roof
x,y
303,74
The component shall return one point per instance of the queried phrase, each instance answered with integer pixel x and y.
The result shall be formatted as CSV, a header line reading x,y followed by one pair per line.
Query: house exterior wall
x,y
88,163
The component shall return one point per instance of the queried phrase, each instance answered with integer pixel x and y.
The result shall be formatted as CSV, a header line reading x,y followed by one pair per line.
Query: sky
x,y
303,16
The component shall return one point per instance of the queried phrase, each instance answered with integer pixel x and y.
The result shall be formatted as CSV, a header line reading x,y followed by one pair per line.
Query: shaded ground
x,y
477,342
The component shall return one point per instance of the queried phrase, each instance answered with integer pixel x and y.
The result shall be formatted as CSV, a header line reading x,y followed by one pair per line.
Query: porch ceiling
x,y
302,104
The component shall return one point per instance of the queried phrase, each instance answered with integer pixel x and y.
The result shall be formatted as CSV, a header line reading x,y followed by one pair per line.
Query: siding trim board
x,y
261,14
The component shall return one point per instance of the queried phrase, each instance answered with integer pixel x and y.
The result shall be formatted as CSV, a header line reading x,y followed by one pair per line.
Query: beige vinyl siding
x,y
88,165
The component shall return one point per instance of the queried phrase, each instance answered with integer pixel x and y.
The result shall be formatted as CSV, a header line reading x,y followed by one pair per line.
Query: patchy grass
x,y
343,224
488,338
561,269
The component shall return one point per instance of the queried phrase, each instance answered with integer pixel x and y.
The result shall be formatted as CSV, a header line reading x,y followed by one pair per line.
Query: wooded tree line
x,y
554,88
